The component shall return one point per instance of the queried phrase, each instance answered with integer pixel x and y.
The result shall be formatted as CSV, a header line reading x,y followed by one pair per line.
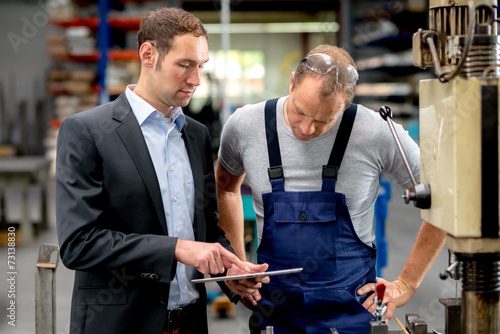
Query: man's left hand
x,y
248,288
397,294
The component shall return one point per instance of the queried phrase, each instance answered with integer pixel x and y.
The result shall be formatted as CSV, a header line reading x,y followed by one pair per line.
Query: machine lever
x,y
380,289
421,194
379,296
379,325
449,271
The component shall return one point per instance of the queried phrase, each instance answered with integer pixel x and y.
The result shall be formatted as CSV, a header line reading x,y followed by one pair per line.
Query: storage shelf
x,y
90,58
124,23
83,3
91,22
396,43
65,91
384,56
104,53
94,57
384,89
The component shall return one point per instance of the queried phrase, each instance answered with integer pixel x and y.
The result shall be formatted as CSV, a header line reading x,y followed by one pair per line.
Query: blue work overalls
x,y
312,230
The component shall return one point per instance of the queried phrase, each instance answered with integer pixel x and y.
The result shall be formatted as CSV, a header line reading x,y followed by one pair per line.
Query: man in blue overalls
x,y
313,160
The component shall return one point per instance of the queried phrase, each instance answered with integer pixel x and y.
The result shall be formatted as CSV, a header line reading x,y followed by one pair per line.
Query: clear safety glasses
x,y
322,64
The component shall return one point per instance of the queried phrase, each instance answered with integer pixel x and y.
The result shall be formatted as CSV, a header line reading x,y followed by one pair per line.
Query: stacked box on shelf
x,y
56,46
76,81
120,73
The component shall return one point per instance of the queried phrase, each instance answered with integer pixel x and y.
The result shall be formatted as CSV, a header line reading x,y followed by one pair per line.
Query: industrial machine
x,y
460,150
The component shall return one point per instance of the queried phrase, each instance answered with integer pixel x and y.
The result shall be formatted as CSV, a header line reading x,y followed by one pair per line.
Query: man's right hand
x,y
208,258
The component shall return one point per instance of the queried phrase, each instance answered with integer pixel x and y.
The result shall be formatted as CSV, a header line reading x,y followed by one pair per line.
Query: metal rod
x,y
488,69
453,265
435,57
401,325
104,42
387,111
45,290
225,16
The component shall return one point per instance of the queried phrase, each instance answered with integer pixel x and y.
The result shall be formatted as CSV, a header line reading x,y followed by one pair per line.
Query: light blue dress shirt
x,y
173,169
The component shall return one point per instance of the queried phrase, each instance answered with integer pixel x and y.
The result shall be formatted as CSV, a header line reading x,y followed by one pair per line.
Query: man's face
x,y
176,78
307,114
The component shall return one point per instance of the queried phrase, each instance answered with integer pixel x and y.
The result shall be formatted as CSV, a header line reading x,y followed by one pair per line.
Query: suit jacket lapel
x,y
133,139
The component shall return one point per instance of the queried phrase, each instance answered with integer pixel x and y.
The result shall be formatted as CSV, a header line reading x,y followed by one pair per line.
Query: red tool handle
x,y
380,290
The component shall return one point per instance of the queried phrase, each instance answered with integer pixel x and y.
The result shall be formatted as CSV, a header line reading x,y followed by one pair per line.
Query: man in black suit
x,y
135,196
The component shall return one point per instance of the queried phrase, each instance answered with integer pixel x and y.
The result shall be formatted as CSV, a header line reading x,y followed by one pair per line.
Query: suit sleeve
x,y
89,235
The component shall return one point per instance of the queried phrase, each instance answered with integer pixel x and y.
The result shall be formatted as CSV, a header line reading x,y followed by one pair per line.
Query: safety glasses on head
x,y
322,64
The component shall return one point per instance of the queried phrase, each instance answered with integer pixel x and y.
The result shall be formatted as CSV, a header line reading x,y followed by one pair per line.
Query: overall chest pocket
x,y
305,234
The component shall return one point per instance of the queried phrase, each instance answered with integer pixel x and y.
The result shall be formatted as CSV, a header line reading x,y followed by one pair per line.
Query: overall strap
x,y
330,170
275,170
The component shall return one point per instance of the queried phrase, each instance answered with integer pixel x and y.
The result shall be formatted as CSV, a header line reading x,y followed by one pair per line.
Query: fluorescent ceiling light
x,y
270,28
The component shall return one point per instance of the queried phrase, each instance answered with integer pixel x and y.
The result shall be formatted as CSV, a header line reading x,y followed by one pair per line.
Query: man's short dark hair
x,y
160,26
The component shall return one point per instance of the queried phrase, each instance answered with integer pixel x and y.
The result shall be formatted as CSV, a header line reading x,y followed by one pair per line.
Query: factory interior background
x,y
51,69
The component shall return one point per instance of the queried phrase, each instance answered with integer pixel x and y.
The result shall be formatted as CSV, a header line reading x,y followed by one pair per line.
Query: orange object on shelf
x,y
124,1
123,55
94,57
84,58
125,23
91,22
55,123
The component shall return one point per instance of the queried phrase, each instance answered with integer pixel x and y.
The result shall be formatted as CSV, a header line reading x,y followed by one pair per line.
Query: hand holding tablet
x,y
245,276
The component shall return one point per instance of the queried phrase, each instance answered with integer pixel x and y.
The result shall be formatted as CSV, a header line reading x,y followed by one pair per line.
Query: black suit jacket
x,y
111,223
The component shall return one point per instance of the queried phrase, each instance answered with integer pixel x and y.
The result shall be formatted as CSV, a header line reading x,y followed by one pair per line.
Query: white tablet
x,y
243,276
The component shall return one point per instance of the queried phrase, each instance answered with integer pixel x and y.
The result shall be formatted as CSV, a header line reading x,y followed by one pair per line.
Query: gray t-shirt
x,y
371,150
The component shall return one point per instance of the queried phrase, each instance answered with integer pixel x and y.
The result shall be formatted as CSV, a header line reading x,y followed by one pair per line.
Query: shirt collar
x,y
142,110
178,117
